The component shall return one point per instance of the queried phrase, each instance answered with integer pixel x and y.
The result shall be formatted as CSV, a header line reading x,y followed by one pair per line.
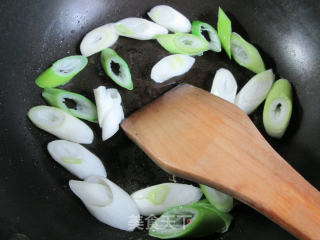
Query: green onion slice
x,y
255,91
170,18
192,220
226,217
109,58
221,201
62,71
199,28
183,43
138,28
245,54
224,31
84,108
61,124
98,39
159,198
224,85
171,66
278,108
76,159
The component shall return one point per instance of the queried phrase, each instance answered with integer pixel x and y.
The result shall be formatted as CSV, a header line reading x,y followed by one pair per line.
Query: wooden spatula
x,y
193,134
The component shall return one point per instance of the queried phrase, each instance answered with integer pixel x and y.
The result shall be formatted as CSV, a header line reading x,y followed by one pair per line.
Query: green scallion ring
x,y
62,71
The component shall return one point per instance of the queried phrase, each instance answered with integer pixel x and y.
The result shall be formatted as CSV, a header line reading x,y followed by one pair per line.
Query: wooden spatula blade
x,y
193,134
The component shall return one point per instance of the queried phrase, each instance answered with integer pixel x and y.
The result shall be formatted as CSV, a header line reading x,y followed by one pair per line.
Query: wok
x,y
35,200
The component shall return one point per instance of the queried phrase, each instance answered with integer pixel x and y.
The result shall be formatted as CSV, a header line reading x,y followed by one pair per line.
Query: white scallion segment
x,y
159,198
219,200
170,18
121,212
95,194
110,124
224,85
171,66
76,159
255,91
278,108
139,28
110,111
98,39
61,124
105,99
245,54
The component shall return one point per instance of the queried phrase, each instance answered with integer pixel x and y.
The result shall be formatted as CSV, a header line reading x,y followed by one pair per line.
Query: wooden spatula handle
x,y
192,134
285,197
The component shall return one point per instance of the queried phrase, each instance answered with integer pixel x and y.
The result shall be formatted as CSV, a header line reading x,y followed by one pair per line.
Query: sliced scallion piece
x,y
123,78
255,91
192,220
183,43
198,29
224,85
94,194
62,71
76,159
139,28
61,124
159,198
170,18
171,66
221,201
110,111
245,54
108,203
224,31
84,108
98,39
278,108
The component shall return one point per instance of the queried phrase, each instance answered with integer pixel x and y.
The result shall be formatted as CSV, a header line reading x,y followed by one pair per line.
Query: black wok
x,y
35,199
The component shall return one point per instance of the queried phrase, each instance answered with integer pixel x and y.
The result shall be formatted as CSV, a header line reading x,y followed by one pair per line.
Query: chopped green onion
x,y
278,108
62,71
245,54
171,66
95,194
76,159
224,31
192,220
255,91
170,18
61,124
98,39
224,85
183,43
199,27
226,217
123,78
156,199
106,99
221,201
139,28
107,202
110,111
84,109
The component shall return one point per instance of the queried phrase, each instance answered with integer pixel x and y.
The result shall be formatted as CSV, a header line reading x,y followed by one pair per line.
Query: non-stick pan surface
x,y
35,199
